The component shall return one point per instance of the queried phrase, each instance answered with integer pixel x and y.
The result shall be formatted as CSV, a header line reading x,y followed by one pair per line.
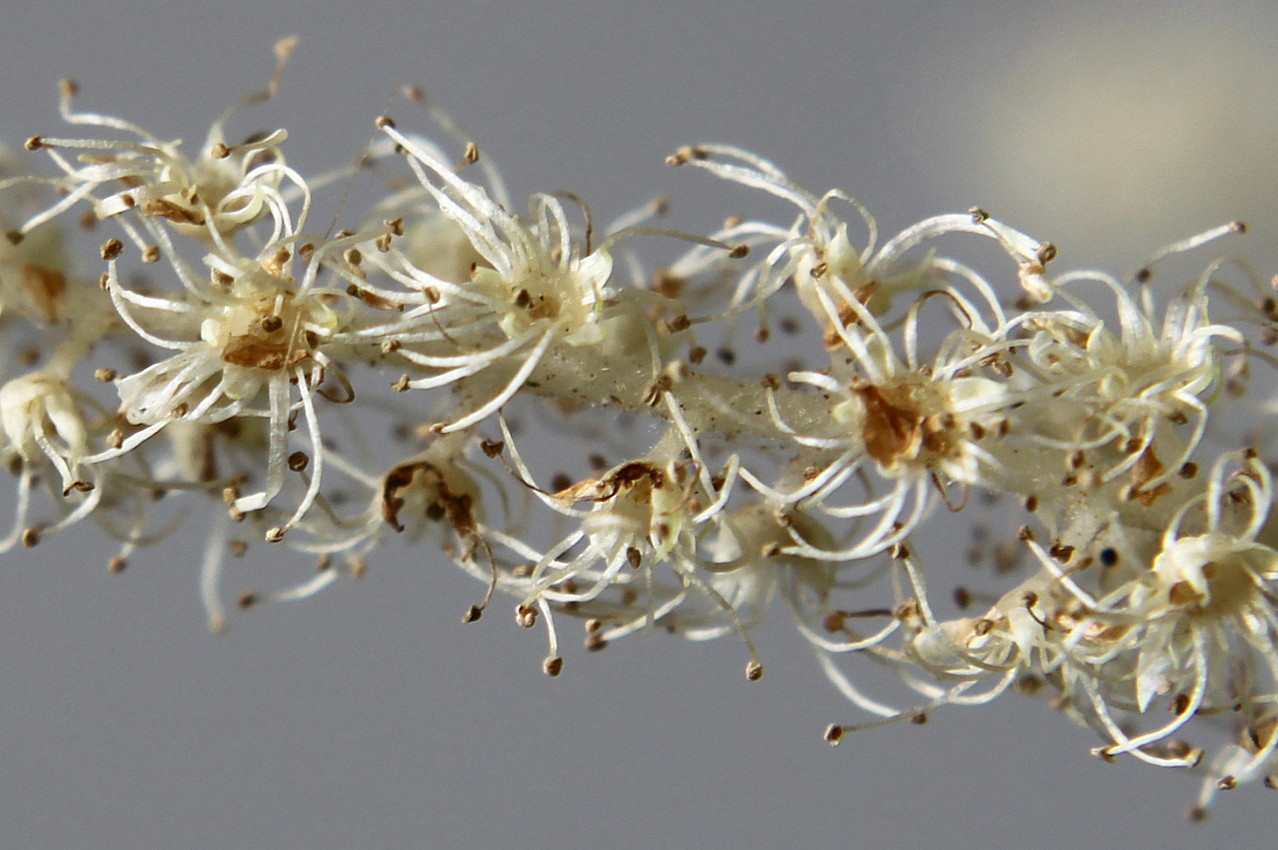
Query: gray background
x,y
370,717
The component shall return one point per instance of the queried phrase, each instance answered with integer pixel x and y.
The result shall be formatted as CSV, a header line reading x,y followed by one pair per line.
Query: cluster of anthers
x,y
245,360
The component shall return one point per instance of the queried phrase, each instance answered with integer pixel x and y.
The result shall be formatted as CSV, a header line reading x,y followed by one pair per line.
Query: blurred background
x,y
370,716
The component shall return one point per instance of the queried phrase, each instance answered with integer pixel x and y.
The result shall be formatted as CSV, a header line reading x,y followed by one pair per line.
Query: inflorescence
x,y
229,354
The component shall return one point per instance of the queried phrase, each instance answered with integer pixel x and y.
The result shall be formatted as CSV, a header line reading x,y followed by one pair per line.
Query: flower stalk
x,y
244,364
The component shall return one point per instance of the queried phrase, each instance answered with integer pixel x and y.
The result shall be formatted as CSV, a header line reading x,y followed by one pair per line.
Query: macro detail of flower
x,y
226,365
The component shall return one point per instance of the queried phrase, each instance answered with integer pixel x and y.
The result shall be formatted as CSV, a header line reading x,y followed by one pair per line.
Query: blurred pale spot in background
x,y
1112,138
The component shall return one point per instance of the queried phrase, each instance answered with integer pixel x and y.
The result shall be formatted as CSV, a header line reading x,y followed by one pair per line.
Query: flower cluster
x,y
226,354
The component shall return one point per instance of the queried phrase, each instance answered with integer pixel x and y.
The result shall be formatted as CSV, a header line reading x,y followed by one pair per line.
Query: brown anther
x,y
1028,684
919,719
1227,783
736,252
526,616
979,216
684,154
34,143
1031,503
754,671
104,375
246,600
1180,704
219,150
962,598
238,547
151,253
31,536
116,564
552,666
1182,593
667,284
1030,598
297,461
272,323
1025,534
353,256
633,557
384,121
679,323
491,448
383,242
401,384
982,627
833,734
111,249
275,534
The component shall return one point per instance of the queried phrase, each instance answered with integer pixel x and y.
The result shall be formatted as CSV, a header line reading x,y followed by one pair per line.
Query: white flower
x,y
41,418
830,274
1126,390
224,188
535,287
1195,623
46,431
245,335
